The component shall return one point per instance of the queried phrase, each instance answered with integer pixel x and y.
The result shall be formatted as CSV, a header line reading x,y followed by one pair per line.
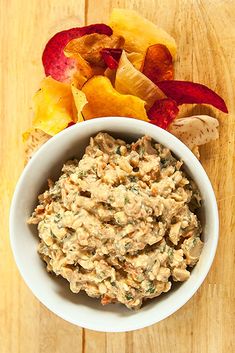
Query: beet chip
x,y
158,64
163,112
55,62
111,57
189,92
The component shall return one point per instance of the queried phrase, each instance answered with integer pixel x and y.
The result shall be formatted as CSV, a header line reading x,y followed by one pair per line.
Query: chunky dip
x,y
120,223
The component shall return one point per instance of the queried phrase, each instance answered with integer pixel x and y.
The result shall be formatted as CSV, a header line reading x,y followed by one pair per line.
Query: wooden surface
x,y
204,31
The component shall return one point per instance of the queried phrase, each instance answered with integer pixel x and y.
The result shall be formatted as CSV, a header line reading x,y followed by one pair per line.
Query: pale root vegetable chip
x,y
80,101
104,100
89,47
139,33
33,139
195,130
196,151
129,80
136,59
53,106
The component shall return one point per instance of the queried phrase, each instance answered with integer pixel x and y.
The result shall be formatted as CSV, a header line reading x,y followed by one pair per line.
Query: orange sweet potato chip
x,y
90,46
158,64
104,100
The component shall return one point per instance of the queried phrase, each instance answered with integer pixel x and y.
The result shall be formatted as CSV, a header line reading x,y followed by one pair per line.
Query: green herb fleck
x,y
164,162
151,288
113,284
57,218
110,198
82,173
162,249
170,253
128,296
118,150
118,220
135,189
126,200
195,241
132,179
127,246
141,151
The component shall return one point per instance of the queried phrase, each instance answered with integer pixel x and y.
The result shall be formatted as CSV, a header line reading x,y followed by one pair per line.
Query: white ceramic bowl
x,y
53,292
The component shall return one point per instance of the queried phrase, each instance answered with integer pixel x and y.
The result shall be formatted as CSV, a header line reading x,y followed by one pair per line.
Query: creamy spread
x,y
120,223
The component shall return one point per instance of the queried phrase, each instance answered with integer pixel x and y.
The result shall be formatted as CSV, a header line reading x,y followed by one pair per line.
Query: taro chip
x,y
136,59
90,47
33,139
158,63
163,112
189,92
111,57
129,80
195,130
55,62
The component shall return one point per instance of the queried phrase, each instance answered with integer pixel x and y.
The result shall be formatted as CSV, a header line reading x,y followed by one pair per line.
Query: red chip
x,y
158,63
163,112
111,57
55,62
189,92
71,123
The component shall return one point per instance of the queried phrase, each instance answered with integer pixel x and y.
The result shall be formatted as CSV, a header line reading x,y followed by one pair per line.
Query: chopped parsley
x,y
170,253
82,173
126,200
129,296
132,178
127,246
141,151
195,241
135,189
151,288
118,150
57,218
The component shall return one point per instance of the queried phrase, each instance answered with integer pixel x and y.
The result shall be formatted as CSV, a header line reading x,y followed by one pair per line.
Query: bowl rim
x,y
151,320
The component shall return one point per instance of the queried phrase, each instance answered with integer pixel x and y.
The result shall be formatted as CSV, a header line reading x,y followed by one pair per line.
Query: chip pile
x,y
123,69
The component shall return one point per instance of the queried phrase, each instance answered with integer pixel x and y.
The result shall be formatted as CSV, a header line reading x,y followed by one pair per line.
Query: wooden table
x,y
204,31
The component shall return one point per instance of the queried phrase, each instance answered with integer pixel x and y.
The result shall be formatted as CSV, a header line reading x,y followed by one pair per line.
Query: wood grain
x,y
205,33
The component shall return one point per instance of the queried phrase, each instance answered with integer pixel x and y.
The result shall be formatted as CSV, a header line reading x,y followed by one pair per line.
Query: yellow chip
x,y
80,101
139,33
104,100
53,106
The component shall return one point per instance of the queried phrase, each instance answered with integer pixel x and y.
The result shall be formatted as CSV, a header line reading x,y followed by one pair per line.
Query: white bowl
x,y
53,292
